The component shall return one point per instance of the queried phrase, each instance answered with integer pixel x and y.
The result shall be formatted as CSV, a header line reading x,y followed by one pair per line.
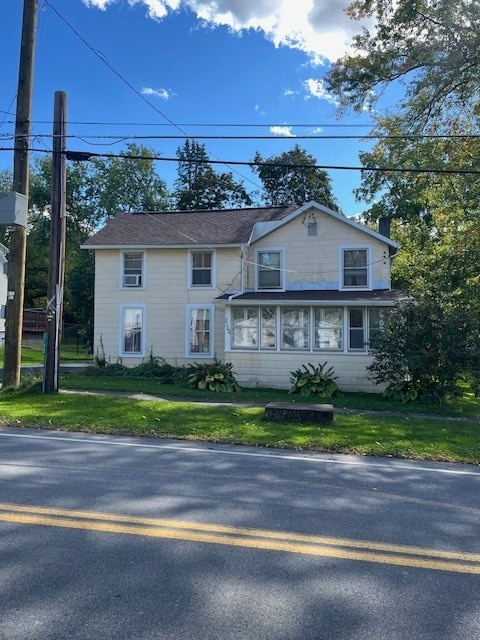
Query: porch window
x,y
201,272
268,324
133,269
295,324
328,328
132,331
269,269
356,330
355,268
199,331
245,327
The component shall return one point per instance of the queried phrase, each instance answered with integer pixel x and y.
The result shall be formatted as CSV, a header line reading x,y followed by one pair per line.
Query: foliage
x,y
425,51
430,46
151,368
424,350
214,376
295,181
198,186
314,380
127,184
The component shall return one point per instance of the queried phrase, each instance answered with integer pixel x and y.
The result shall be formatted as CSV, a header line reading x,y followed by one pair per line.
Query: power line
x,y
105,61
87,155
122,137
307,125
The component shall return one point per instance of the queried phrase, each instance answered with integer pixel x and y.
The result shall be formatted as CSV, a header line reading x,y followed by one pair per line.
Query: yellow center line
x,y
348,549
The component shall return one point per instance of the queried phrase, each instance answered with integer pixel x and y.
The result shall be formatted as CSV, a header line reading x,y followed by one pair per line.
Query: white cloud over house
x,y
319,28
164,94
282,131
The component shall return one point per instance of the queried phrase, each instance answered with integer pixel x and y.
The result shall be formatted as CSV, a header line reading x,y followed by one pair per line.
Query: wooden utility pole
x,y
56,267
18,237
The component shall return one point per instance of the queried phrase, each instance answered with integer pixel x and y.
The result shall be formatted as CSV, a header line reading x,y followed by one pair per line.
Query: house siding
x,y
261,369
165,297
315,259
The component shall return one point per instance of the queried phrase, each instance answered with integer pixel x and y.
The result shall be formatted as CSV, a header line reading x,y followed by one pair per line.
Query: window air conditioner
x,y
132,281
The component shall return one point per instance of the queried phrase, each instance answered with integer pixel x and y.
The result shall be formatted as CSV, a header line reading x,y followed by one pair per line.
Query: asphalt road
x,y
115,538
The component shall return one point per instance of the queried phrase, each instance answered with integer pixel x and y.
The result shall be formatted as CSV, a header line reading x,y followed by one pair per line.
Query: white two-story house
x,y
267,289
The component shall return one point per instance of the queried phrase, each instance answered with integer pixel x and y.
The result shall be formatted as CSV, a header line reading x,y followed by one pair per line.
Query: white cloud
x,y
282,131
290,92
320,28
164,94
316,89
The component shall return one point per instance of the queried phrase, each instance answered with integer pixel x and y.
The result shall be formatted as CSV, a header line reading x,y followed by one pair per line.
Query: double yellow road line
x,y
362,550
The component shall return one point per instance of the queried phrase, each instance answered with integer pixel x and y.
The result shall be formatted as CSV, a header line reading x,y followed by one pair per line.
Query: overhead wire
x,y
87,155
105,61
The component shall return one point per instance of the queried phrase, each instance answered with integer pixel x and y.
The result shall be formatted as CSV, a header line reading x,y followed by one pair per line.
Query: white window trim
x,y
364,311
364,247
129,354
280,250
144,269
346,350
188,310
212,285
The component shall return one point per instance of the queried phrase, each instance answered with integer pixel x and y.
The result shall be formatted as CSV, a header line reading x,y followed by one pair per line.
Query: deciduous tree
x,y
293,178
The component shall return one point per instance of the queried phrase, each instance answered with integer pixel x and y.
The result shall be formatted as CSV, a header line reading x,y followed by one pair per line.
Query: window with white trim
x,y
245,327
328,328
201,269
295,323
132,269
132,335
250,322
356,329
269,269
199,331
268,328
355,268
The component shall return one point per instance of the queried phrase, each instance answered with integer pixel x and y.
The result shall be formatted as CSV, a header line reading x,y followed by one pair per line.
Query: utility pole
x,y
18,237
56,267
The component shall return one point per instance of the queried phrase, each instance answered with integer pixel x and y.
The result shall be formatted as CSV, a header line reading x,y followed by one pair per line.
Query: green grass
x,y
400,436
467,406
31,355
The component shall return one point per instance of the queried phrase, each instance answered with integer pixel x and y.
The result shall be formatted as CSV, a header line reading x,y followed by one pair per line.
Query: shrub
x,y
215,376
424,350
314,380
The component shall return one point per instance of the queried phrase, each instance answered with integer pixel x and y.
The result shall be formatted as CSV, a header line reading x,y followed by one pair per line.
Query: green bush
x,y
214,376
311,380
424,350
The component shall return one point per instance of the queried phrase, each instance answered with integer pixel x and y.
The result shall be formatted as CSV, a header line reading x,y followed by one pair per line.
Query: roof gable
x,y
263,229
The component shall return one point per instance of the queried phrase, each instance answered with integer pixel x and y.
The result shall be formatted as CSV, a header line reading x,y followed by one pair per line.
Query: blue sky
x,y
217,62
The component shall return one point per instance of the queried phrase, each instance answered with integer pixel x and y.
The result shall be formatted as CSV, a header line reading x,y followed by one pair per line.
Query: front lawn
x,y
467,405
407,436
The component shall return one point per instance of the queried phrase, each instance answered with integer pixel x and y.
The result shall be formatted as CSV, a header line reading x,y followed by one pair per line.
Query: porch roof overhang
x,y
378,297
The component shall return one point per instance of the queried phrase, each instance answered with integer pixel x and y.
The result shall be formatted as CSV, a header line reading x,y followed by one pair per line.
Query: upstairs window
x,y
201,269
270,269
133,269
355,268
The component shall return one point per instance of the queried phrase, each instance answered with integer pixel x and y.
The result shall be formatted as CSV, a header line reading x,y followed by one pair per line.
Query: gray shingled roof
x,y
386,296
222,227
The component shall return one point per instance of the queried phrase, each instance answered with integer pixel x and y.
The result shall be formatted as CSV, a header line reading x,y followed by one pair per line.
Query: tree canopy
x,y
428,51
199,186
431,47
293,178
